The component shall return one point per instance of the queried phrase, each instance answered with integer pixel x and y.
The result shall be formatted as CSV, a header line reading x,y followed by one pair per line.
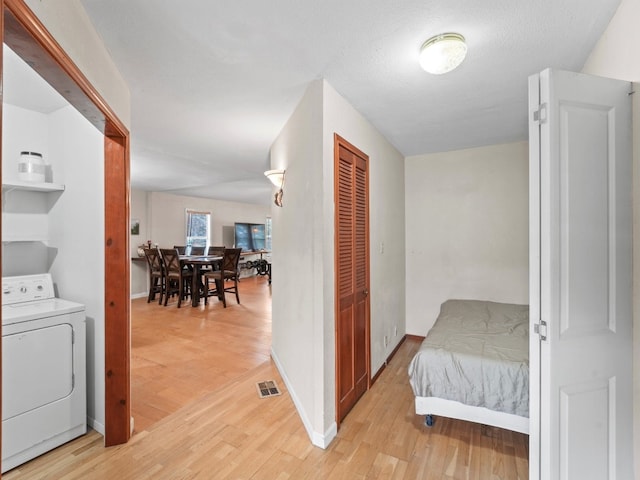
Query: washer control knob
x,y
23,289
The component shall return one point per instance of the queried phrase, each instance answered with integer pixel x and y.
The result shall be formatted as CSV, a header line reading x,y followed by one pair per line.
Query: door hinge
x,y
541,329
540,115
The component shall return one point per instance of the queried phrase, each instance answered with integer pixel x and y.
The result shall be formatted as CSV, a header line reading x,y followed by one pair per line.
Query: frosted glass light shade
x,y
276,177
443,53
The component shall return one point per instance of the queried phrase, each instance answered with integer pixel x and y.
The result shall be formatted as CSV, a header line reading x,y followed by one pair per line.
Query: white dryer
x,y
43,369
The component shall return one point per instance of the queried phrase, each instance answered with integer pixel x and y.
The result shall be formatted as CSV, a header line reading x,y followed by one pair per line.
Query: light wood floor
x,y
221,429
180,354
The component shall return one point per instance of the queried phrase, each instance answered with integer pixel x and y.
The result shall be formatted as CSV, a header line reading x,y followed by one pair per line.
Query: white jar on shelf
x,y
31,167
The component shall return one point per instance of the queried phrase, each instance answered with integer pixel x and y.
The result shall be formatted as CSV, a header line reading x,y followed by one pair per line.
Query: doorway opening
x,y
27,37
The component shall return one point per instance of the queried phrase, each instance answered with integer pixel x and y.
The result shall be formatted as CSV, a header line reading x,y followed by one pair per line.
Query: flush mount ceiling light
x,y
443,53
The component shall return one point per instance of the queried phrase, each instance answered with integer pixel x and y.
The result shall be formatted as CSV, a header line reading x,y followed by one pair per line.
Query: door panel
x,y
361,337
352,276
584,226
346,353
582,286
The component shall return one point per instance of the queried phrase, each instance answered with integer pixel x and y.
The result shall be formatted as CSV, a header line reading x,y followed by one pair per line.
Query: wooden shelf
x,y
32,187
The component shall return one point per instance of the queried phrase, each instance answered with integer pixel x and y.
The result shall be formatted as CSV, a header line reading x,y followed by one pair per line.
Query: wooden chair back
x,y
218,251
230,260
228,271
153,260
171,259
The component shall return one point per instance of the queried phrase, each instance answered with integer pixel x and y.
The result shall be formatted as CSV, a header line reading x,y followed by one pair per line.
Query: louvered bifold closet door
x,y
352,276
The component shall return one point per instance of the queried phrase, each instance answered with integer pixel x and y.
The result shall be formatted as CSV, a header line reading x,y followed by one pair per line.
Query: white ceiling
x,y
213,82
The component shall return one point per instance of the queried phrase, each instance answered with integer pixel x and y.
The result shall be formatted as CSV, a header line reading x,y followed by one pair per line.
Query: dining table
x,y
196,262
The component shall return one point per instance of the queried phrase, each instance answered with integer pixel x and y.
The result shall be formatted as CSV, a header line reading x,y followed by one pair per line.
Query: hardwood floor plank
x,y
384,467
198,414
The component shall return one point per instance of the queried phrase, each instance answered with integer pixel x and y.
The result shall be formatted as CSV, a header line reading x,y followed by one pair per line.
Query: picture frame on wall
x,y
135,226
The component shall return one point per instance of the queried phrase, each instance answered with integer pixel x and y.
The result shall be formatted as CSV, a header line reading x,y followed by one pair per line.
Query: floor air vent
x,y
267,389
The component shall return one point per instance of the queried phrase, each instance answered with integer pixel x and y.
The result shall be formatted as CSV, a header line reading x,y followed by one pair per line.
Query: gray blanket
x,y
477,353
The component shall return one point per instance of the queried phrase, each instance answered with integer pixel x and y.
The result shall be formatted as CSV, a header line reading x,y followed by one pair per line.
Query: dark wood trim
x,y
379,372
386,362
395,350
117,292
29,38
417,338
23,32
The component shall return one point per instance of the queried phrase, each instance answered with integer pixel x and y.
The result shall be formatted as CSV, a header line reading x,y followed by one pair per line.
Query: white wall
x,y
17,138
139,287
386,224
69,24
167,221
616,56
467,223
303,339
23,212
77,231
297,339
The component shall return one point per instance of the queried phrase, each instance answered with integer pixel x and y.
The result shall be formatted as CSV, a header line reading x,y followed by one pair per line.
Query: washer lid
x,y
50,307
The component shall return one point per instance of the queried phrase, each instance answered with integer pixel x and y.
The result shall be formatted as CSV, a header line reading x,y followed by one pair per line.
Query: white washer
x,y
43,369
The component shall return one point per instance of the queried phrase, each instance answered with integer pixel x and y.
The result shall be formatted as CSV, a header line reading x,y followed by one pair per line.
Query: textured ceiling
x,y
213,82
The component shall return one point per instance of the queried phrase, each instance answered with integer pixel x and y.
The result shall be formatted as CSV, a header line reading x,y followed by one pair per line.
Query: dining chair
x,y
218,251
197,250
177,279
228,271
181,249
156,274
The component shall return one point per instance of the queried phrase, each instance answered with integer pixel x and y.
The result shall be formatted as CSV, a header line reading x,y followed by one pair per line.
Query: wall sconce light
x,y
443,53
277,178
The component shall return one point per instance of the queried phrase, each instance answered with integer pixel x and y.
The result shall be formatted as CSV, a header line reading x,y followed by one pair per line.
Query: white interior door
x,y
580,228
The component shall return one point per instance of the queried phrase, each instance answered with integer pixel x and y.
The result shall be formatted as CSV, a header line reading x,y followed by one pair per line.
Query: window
x,y
267,233
250,236
198,228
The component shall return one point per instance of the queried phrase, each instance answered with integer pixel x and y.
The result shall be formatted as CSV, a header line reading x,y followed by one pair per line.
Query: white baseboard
x,y
321,440
97,426
324,440
139,295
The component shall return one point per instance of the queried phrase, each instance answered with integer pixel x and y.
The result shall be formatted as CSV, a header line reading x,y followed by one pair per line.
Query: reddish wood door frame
x,y
353,378
26,35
